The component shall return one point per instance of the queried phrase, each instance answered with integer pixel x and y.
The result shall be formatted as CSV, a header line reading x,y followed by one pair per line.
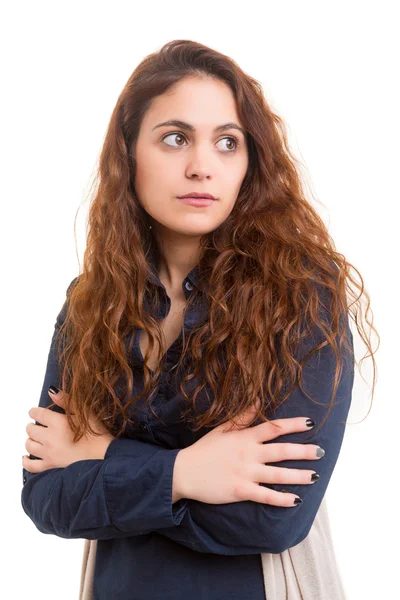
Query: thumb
x,y
245,417
248,414
58,396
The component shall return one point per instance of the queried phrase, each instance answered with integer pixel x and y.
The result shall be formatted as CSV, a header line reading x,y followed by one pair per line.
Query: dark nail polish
x,y
310,423
314,477
53,389
298,501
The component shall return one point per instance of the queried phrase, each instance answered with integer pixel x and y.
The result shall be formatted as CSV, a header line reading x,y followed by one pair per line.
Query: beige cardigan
x,y
307,571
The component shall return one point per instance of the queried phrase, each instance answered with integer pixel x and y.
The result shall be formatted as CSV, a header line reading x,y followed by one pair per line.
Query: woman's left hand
x,y
54,444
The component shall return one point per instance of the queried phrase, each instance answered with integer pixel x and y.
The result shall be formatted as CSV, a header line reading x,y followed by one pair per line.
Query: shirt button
x,y
188,286
24,479
143,427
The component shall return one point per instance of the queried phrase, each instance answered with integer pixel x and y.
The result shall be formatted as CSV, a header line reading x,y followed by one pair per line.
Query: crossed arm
x,y
129,493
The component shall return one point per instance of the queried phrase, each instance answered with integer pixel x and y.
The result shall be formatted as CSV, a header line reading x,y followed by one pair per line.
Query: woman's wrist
x,y
99,446
179,478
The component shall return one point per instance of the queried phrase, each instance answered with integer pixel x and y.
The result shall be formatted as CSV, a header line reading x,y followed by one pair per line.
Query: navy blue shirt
x,y
149,548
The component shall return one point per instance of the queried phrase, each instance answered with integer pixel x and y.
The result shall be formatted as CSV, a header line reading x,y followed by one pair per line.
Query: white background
x,y
331,71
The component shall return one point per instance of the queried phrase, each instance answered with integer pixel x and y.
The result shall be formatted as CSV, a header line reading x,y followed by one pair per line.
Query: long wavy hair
x,y
272,276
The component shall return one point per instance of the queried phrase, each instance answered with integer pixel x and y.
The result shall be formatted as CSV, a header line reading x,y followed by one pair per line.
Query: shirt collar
x,y
193,277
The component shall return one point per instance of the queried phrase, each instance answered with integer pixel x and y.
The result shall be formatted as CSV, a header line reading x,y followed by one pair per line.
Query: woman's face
x,y
177,159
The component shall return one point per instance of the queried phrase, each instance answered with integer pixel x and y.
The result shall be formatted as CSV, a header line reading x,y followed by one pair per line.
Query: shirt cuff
x,y
138,484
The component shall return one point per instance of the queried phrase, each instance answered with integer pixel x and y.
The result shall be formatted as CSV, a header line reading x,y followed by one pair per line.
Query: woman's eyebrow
x,y
188,127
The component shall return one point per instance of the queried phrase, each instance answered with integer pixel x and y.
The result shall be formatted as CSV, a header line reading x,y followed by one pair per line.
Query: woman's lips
x,y
197,201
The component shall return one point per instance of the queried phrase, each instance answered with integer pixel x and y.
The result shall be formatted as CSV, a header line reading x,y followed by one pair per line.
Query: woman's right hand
x,y
227,466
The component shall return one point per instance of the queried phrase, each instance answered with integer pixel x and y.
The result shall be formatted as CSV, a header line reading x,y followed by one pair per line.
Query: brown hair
x,y
271,273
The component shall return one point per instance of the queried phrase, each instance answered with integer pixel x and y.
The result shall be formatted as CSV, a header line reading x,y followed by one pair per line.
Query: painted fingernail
x,y
314,477
53,389
310,423
298,501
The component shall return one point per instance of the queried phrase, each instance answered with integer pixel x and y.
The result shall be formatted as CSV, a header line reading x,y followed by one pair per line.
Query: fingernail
x,y
298,501
53,389
310,423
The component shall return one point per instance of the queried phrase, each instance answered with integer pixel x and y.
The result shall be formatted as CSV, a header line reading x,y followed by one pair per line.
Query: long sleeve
x,y
129,493
250,527
125,495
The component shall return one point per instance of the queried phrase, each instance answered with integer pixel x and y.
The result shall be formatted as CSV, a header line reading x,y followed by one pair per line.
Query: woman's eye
x,y
176,135
231,141
180,137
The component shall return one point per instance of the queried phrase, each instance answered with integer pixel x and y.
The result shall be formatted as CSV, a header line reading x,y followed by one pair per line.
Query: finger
x,y
283,476
36,432
34,448
42,415
277,452
259,493
32,465
58,396
268,431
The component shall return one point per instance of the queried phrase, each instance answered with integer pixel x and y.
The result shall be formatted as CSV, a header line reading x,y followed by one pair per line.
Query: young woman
x,y
202,363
